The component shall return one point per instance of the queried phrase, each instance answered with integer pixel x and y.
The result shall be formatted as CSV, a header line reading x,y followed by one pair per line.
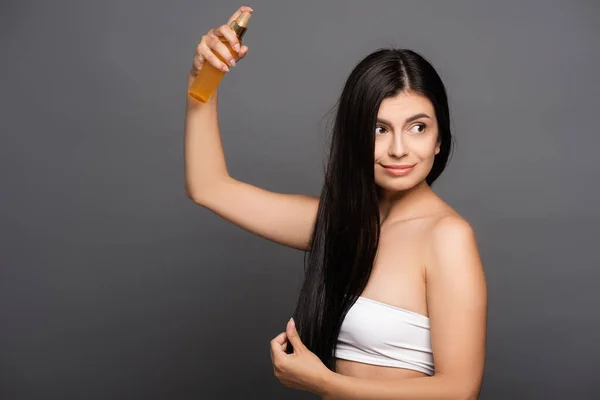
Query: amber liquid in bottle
x,y
209,77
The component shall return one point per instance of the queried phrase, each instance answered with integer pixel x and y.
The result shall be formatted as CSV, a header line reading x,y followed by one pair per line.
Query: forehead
x,y
404,105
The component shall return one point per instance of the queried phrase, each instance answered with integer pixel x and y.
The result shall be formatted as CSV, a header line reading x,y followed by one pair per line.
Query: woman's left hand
x,y
302,369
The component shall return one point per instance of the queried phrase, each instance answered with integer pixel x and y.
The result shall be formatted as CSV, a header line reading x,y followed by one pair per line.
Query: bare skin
x,y
398,277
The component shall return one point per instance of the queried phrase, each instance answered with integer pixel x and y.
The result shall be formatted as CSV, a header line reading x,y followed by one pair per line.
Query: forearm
x,y
437,387
203,150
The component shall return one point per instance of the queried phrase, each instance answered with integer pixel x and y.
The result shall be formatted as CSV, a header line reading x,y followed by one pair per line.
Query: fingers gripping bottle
x,y
209,77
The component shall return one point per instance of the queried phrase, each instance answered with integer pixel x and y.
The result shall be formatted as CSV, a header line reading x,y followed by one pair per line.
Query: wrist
x,y
190,80
326,382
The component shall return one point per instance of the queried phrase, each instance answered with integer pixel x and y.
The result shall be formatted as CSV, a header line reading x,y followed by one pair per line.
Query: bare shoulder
x,y
451,237
450,226
447,223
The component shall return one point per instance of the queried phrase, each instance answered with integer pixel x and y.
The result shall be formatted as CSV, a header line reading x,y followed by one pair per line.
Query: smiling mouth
x,y
400,166
398,170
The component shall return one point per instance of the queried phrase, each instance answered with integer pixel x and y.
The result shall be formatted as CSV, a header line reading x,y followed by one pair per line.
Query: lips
x,y
398,170
399,167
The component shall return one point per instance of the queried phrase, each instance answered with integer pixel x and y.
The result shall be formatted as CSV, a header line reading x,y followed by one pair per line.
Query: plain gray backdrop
x,y
115,285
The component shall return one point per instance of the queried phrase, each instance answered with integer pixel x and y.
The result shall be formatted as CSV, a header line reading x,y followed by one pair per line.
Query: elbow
x,y
204,192
468,392
193,195
462,394
189,193
461,389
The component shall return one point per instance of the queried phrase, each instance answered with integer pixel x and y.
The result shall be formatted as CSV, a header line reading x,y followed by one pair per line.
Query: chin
x,y
392,183
396,184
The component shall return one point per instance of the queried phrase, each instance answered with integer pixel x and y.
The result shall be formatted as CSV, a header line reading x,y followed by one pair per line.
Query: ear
x,y
437,149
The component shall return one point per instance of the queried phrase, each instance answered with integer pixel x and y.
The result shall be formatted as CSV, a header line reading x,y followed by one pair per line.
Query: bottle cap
x,y
243,19
239,25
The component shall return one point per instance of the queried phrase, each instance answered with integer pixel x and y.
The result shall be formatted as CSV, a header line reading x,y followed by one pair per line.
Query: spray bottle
x,y
209,77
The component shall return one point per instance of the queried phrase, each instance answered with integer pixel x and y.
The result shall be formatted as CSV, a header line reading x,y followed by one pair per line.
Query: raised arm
x,y
287,219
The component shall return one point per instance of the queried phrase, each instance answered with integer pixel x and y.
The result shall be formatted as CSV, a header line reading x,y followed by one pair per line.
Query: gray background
x,y
114,285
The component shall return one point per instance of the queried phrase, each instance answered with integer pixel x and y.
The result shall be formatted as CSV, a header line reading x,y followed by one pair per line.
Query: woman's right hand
x,y
212,50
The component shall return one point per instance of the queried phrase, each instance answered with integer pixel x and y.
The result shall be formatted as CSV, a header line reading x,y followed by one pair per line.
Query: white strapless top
x,y
381,334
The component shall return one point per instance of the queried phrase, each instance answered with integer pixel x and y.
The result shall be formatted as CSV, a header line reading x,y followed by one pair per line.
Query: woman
x,y
393,278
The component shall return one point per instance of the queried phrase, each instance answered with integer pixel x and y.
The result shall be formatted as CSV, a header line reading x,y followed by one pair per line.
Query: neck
x,y
404,204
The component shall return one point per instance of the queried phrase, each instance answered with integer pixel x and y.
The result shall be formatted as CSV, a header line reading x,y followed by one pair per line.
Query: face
x,y
406,135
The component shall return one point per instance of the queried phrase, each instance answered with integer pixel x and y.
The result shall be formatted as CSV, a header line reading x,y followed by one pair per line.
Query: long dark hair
x,y
346,231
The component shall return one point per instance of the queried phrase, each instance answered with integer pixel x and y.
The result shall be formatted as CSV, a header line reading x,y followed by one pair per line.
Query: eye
x,y
382,130
420,125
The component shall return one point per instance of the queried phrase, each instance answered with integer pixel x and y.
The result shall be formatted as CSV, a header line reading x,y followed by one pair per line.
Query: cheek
x,y
379,151
428,149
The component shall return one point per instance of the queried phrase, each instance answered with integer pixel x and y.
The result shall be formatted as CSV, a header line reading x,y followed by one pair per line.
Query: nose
x,y
396,147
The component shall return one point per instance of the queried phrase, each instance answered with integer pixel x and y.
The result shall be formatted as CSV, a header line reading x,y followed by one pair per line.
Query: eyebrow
x,y
408,120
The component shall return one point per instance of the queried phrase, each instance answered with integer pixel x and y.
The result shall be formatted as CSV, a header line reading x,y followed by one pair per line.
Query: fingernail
x,y
224,68
232,62
236,47
293,323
